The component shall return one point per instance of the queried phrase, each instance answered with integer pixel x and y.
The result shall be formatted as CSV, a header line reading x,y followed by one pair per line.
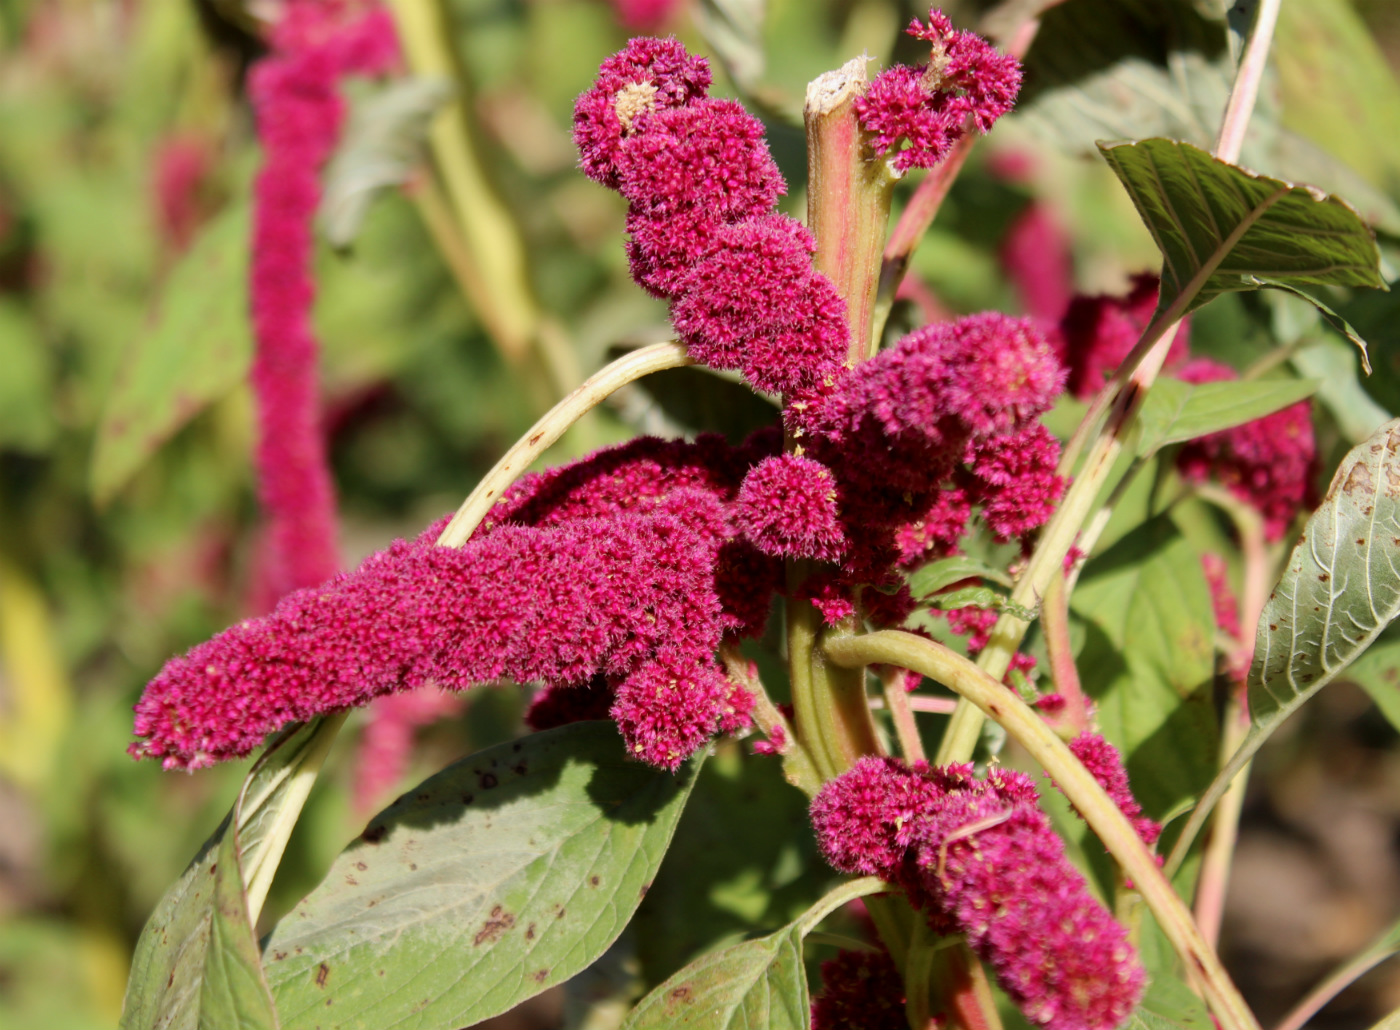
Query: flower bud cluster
x,y
981,859
919,113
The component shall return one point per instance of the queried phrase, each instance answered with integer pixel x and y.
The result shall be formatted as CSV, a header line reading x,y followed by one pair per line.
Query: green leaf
x,y
1329,316
935,576
759,983
1339,591
26,403
756,985
734,31
1378,673
1339,391
504,874
1169,1005
168,967
197,350
1148,654
1175,411
234,994
743,862
697,399
1221,228
381,148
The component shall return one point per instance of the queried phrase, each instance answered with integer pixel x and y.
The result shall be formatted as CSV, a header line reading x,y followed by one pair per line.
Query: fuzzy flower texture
x,y
980,858
612,582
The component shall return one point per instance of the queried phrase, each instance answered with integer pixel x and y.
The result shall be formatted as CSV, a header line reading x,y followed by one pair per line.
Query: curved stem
x,y
551,427
1334,985
897,647
1219,853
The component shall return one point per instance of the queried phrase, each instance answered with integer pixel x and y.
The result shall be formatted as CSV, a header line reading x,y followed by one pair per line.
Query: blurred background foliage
x,y
127,512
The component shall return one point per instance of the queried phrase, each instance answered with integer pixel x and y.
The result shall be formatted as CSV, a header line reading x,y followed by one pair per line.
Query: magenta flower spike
x,y
1097,332
299,112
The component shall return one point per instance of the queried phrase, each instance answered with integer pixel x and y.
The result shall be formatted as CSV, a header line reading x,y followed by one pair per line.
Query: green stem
x,y
552,426
897,647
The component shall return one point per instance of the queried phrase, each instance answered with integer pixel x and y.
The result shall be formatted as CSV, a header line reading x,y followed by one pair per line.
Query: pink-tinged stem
x,y
1213,884
1247,78
966,992
902,712
1054,620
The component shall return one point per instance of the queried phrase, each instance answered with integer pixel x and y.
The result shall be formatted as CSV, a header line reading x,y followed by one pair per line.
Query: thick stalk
x,y
1054,621
828,702
848,198
551,427
897,647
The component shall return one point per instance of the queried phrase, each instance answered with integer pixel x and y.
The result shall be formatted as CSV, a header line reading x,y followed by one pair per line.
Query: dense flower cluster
x,y
299,111
981,859
861,990
608,568
1270,463
919,435
919,113
701,189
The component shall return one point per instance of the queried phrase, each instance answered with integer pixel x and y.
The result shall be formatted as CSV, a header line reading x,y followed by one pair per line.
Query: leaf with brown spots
x,y
1339,591
490,882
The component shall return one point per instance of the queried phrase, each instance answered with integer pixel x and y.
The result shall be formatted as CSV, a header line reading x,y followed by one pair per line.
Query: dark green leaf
x,y
234,994
196,351
1221,228
756,985
744,861
381,148
168,968
502,875
935,576
1148,654
1104,69
1175,411
1169,1005
697,399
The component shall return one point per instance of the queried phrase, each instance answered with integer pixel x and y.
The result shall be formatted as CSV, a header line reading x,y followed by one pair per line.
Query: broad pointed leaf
x,y
491,881
759,983
1341,587
195,352
1222,228
168,968
1175,411
935,576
